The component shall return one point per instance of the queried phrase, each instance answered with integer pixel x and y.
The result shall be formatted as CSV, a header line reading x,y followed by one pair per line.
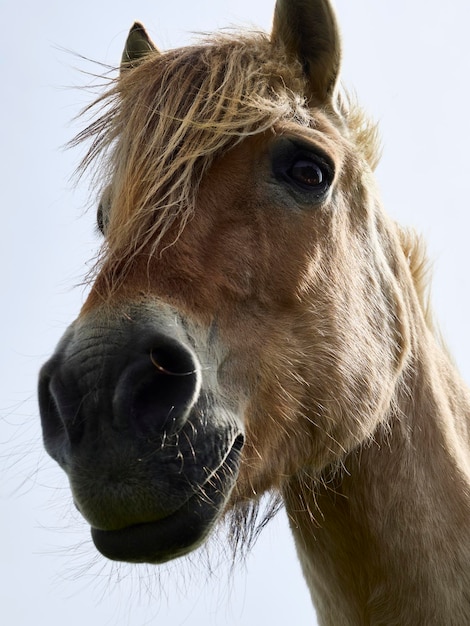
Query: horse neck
x,y
387,540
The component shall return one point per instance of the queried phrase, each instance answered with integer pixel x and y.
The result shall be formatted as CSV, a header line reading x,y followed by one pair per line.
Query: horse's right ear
x,y
138,45
307,31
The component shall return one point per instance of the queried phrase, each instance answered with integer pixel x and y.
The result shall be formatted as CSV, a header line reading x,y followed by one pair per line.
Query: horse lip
x,y
151,542
182,530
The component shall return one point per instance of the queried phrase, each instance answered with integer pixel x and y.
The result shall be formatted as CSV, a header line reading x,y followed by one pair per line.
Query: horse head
x,y
247,319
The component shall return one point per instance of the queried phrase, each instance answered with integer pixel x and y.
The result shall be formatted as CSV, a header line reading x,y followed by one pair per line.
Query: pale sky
x,y
409,63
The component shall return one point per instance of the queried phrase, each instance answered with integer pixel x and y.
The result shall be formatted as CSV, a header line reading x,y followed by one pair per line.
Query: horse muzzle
x,y
135,419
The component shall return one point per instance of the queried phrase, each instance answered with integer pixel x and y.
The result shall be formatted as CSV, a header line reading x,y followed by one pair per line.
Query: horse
x,y
257,324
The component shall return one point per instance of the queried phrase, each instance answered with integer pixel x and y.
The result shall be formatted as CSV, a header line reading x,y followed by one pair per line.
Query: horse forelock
x,y
165,121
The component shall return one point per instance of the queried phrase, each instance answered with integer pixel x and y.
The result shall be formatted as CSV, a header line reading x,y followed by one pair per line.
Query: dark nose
x,y
145,384
155,392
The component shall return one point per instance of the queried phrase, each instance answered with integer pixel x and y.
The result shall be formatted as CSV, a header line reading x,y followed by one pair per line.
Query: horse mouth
x,y
180,532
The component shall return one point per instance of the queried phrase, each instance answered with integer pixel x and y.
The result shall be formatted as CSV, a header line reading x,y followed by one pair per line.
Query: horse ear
x,y
308,31
138,45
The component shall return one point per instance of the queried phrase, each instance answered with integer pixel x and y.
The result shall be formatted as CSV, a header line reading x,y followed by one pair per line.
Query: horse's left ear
x,y
138,45
308,31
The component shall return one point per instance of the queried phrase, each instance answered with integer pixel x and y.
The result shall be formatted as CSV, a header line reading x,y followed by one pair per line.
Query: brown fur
x,y
352,410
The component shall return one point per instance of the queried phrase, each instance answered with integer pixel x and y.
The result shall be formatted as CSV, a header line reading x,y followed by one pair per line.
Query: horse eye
x,y
302,167
99,218
307,173
102,214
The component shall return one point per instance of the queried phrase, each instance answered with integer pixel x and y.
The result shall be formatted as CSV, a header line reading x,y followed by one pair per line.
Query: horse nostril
x,y
52,423
58,409
155,393
173,359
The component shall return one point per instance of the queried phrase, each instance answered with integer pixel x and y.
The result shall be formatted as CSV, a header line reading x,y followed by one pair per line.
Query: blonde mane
x,y
164,122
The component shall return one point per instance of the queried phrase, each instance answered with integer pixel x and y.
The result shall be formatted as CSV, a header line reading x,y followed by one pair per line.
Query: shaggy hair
x,y
164,122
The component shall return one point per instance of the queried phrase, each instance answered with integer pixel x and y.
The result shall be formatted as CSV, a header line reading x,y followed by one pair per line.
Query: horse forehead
x,y
322,128
321,132
230,194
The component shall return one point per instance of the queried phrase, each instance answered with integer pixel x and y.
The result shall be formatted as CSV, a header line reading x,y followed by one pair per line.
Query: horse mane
x,y
224,89
414,249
